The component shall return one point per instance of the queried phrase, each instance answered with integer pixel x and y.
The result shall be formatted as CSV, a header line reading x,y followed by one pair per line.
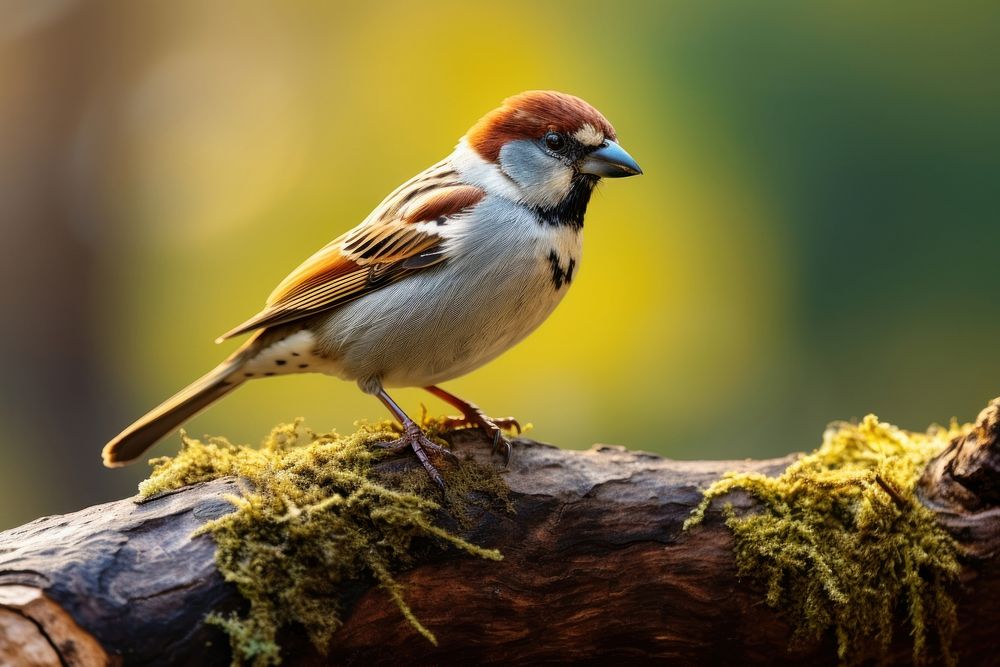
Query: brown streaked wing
x,y
385,248
444,202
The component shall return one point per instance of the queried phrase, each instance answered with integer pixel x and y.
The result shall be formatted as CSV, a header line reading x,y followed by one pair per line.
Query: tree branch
x,y
596,568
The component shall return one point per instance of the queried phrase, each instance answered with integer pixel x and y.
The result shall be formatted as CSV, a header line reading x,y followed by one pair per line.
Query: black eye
x,y
555,141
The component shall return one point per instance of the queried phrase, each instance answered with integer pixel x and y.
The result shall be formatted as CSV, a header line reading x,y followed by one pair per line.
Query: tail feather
x,y
162,420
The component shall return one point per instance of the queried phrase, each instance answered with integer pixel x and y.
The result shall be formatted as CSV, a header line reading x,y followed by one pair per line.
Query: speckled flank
x,y
294,354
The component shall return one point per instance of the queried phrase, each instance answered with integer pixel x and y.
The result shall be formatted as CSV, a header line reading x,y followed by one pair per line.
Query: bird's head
x,y
550,146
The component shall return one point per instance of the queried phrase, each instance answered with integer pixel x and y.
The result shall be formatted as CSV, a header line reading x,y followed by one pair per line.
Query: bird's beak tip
x,y
610,161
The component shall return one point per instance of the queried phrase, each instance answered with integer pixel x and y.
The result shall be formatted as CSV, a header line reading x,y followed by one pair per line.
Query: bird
x,y
451,269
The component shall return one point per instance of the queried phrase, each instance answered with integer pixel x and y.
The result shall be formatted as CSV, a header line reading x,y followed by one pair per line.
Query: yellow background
x,y
815,236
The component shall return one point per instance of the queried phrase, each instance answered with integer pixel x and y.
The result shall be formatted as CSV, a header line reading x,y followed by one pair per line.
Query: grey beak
x,y
610,161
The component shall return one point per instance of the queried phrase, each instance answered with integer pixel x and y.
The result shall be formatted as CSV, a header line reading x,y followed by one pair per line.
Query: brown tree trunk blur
x,y
55,227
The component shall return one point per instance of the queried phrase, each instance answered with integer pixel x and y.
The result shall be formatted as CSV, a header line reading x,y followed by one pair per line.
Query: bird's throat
x,y
570,211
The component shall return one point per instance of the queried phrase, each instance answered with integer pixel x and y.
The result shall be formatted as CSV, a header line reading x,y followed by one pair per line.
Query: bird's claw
x,y
500,441
492,427
508,424
414,438
483,422
400,444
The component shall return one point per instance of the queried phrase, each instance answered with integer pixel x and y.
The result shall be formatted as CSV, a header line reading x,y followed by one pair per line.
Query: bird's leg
x,y
414,438
473,416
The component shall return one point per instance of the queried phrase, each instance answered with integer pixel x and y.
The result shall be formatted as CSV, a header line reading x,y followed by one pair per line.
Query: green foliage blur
x,y
815,236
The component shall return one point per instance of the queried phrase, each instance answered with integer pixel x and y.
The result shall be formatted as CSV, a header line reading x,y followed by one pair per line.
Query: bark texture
x,y
596,569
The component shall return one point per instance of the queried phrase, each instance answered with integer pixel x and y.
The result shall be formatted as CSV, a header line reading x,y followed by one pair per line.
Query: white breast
x,y
499,284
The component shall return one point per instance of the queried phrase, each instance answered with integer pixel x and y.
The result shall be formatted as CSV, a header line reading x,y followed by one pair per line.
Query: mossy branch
x,y
315,549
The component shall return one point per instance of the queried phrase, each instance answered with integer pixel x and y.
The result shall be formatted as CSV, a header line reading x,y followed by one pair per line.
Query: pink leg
x,y
414,438
473,416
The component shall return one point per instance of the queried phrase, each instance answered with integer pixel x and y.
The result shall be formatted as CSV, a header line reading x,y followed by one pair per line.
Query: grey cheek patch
x,y
526,164
543,180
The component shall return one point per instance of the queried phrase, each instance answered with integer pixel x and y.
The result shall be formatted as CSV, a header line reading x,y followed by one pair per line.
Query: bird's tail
x,y
163,419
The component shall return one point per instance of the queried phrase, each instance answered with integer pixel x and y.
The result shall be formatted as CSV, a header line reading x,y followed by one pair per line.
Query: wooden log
x,y
596,569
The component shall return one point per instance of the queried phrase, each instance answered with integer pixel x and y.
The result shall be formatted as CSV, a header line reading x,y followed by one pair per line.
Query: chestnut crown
x,y
538,115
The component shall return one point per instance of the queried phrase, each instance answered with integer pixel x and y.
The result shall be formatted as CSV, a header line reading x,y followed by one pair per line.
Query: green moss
x,y
843,542
312,517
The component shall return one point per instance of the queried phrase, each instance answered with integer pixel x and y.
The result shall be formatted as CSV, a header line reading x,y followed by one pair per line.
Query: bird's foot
x,y
400,444
493,427
414,438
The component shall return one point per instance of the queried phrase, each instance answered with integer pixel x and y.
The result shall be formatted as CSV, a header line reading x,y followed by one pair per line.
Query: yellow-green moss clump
x,y
843,543
311,517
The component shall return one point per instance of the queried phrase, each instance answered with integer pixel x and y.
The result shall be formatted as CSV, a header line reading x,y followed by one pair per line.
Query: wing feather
x,y
389,245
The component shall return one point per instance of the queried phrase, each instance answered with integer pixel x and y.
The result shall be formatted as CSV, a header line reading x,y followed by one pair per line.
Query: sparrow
x,y
454,267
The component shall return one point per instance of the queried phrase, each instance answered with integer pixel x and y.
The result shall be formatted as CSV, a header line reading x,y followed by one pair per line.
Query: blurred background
x,y
815,236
